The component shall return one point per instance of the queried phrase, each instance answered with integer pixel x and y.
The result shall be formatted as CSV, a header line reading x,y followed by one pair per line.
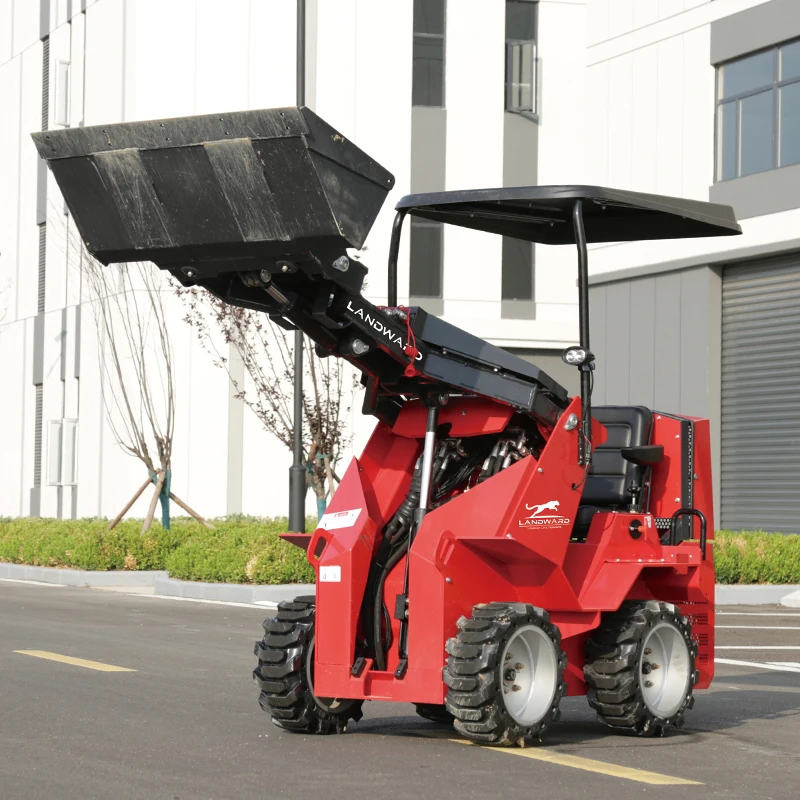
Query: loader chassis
x,y
498,544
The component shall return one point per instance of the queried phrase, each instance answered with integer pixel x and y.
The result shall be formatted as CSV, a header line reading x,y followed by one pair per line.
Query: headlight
x,y
577,356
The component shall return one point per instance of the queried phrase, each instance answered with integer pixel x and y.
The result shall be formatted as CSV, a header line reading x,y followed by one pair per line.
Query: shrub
x,y
248,550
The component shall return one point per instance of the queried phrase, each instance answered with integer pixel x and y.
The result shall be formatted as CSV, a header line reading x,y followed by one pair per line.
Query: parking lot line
x,y
758,647
757,614
567,760
590,765
757,628
757,664
76,662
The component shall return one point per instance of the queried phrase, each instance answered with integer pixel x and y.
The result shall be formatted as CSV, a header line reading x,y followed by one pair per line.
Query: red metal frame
x,y
507,539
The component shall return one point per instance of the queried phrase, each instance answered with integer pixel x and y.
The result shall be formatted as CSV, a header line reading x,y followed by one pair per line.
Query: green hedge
x,y
248,550
238,550
742,557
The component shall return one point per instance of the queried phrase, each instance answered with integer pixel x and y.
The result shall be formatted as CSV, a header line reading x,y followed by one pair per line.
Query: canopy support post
x,y
585,438
394,250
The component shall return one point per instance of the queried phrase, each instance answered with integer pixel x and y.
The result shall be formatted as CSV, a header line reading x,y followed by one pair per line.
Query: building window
x,y
521,56
428,77
426,258
517,269
62,93
62,437
758,112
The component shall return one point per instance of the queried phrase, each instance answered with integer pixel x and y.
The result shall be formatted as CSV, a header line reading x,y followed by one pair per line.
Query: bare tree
x,y
266,353
136,361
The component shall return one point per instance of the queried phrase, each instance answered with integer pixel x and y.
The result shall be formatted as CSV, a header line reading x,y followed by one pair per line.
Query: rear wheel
x,y
285,674
640,667
505,674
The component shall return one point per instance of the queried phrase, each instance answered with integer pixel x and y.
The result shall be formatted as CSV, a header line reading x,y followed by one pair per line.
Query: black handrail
x,y
673,526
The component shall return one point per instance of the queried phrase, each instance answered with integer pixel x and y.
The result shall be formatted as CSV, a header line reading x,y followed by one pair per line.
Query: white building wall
x,y
142,59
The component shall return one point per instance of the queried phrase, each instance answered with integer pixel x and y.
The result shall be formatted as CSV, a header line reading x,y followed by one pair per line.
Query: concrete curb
x,y
759,595
78,577
163,585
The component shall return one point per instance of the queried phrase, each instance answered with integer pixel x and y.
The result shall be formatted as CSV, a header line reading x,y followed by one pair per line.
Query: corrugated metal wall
x,y
761,396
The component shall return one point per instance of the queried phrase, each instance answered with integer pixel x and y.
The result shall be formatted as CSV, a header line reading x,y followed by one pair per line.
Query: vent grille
x,y
45,84
42,266
37,440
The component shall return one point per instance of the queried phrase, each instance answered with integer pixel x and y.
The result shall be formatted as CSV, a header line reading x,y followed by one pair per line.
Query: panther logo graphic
x,y
544,515
537,510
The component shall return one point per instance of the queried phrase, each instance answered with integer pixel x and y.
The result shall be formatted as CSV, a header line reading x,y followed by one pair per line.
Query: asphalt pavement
x,y
179,718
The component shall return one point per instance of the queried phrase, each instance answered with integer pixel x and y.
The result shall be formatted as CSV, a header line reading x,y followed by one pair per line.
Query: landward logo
x,y
539,519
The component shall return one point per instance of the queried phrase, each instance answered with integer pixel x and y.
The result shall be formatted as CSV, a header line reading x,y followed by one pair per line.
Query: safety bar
x,y
690,512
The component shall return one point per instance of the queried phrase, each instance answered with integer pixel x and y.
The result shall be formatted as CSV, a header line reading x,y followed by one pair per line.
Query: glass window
x,y
62,93
428,68
758,112
69,452
521,56
755,133
517,269
746,74
790,61
426,258
53,452
790,124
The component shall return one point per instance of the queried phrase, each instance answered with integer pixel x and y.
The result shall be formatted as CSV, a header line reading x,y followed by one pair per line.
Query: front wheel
x,y
285,674
640,668
505,674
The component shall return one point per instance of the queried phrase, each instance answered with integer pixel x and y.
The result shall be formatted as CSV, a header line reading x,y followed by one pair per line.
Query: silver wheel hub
x,y
529,674
665,670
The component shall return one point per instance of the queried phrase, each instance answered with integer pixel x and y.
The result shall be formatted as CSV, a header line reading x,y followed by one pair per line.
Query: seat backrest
x,y
610,475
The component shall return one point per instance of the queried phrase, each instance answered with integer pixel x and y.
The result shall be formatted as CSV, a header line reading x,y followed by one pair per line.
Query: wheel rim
x,y
665,670
529,676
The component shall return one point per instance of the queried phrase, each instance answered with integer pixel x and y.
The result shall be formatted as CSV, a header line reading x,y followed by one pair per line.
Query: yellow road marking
x,y
590,765
576,762
77,662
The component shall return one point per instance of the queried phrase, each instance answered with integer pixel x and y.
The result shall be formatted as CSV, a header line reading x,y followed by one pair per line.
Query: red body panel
x,y
506,539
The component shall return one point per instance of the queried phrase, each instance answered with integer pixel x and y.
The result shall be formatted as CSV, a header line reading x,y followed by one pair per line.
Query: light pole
x,y
297,472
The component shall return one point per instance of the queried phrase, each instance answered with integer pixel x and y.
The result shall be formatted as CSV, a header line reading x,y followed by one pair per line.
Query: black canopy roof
x,y
544,213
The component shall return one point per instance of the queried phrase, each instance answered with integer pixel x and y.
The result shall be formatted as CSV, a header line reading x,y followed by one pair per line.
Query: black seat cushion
x,y
610,475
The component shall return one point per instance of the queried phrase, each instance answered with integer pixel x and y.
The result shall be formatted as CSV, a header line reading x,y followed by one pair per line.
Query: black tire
x,y
434,713
285,674
617,668
478,678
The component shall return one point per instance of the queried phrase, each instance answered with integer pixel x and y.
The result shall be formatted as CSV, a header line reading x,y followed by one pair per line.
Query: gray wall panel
x,y
763,193
657,342
754,28
520,150
597,329
667,355
428,143
642,342
618,340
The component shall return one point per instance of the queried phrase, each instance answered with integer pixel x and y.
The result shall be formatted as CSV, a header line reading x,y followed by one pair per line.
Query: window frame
x,y
510,44
735,100
431,37
67,472
63,67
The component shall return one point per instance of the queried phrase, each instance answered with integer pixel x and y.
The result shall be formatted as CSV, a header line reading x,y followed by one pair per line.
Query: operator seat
x,y
610,476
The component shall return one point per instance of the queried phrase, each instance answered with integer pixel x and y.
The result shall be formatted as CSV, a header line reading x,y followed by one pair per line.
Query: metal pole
x,y
394,250
585,440
297,472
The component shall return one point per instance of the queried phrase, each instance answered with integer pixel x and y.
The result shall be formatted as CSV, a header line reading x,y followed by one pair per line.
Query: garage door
x,y
761,396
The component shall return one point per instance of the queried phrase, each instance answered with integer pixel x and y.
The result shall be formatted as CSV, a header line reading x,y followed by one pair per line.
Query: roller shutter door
x,y
760,487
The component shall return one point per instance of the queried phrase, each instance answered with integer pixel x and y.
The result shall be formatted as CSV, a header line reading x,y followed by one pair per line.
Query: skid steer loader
x,y
499,544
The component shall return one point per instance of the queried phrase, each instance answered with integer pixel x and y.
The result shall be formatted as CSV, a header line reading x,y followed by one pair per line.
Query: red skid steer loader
x,y
499,544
